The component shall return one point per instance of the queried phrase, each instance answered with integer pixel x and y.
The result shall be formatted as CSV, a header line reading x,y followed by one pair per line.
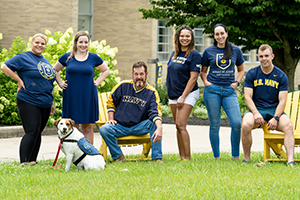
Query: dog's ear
x,y
57,121
72,122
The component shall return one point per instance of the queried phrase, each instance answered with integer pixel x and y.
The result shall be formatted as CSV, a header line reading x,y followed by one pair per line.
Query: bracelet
x,y
238,83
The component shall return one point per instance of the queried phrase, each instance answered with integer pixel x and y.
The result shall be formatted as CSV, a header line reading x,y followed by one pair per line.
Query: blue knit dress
x,y
80,99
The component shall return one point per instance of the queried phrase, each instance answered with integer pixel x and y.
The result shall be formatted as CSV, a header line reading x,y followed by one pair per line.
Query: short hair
x,y
139,64
40,35
264,47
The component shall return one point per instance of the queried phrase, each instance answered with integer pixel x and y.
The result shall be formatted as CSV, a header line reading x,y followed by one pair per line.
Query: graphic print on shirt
x,y
222,63
180,60
46,70
267,82
135,100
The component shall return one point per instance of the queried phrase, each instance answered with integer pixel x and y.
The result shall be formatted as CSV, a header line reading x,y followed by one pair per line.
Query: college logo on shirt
x,y
222,63
46,70
180,60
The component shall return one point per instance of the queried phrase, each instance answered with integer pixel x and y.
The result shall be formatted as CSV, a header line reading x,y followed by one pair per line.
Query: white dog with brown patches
x,y
76,148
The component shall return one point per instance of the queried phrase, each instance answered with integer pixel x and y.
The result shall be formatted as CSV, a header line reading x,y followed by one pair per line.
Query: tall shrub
x,y
58,43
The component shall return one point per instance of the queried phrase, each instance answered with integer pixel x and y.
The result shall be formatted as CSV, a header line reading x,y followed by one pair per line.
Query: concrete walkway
x,y
9,148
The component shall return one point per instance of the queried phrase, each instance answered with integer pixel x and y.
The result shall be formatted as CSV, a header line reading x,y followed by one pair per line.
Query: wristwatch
x,y
238,83
276,117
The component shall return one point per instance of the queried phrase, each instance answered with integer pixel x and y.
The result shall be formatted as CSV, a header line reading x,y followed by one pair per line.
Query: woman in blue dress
x,y
35,77
80,97
220,88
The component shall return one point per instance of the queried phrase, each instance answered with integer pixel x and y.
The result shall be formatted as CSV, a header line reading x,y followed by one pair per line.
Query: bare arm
x,y
105,71
13,75
57,67
157,135
203,75
111,118
248,93
188,88
282,96
240,76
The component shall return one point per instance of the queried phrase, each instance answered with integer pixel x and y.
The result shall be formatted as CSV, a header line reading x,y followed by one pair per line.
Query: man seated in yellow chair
x,y
265,92
133,109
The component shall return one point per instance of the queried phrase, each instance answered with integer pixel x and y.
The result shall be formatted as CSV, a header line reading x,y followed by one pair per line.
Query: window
x,y
199,39
85,16
247,56
256,57
164,41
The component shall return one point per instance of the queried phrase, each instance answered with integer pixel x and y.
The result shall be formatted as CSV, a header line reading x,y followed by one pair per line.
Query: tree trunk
x,y
287,64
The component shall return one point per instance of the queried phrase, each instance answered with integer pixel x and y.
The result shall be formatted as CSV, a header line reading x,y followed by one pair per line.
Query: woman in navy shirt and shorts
x,y
183,91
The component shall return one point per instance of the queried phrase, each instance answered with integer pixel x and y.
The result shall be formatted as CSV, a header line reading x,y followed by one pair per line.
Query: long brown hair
x,y
178,45
228,47
74,49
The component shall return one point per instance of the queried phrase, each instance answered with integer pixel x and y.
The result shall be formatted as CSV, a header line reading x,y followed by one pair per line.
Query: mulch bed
x,y
196,121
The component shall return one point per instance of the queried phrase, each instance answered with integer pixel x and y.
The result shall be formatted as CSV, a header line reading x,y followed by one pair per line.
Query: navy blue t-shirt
x,y
221,72
38,77
266,87
178,73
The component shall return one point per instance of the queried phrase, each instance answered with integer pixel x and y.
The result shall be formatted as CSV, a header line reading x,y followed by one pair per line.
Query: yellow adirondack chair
x,y
126,141
275,140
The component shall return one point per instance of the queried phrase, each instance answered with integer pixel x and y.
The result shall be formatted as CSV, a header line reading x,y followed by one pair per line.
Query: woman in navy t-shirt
x,y
220,85
80,97
35,78
183,92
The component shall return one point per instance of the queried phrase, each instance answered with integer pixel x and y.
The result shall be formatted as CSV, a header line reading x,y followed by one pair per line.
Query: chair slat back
x,y
102,99
296,122
288,104
294,108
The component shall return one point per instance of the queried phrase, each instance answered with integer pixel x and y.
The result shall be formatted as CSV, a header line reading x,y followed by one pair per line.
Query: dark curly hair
x,y
178,45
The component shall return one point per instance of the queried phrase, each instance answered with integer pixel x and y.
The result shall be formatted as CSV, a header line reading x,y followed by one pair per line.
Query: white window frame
x,y
201,37
247,54
167,43
90,15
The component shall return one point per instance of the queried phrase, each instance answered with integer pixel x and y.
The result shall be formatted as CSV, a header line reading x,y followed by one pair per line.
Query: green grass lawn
x,y
200,178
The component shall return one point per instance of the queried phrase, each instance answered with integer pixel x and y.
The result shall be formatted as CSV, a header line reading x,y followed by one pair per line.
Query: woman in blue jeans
x,y
220,85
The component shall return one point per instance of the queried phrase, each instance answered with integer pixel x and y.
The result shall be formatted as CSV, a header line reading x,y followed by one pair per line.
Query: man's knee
x,y
289,129
104,130
246,128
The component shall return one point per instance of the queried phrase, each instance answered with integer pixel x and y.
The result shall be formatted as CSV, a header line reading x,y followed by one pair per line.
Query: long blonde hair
x,y
74,49
178,45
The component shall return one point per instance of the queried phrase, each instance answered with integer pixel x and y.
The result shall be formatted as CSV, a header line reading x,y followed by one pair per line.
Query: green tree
x,y
250,23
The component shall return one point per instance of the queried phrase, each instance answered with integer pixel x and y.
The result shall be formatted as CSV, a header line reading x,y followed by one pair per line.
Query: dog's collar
x,y
66,135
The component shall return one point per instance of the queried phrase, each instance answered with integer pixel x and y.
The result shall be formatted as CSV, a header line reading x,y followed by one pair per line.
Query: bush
x,y
58,43
163,94
0,42
241,99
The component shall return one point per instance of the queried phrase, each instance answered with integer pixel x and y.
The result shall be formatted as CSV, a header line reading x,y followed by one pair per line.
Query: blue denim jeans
x,y
110,133
214,97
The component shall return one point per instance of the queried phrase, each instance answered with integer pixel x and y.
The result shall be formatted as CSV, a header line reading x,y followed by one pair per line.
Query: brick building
x,y
117,21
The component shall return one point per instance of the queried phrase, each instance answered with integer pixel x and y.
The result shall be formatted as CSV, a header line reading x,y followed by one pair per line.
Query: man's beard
x,y
139,84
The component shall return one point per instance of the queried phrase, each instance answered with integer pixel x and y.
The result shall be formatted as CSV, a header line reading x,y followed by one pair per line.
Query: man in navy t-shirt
x,y
266,89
